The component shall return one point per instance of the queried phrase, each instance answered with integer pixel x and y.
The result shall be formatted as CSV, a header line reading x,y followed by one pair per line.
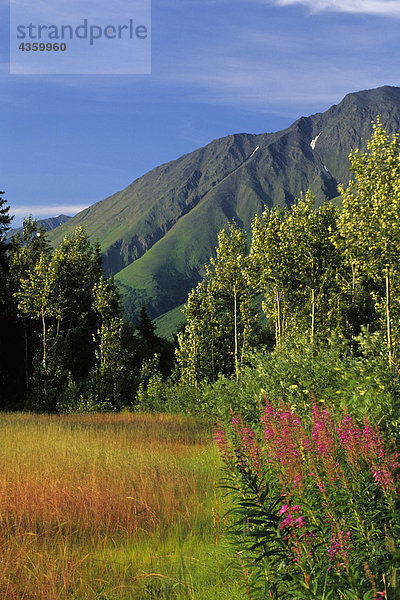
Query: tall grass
x,y
111,507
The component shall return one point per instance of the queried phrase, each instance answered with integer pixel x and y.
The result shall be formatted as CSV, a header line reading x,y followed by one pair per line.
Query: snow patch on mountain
x,y
314,141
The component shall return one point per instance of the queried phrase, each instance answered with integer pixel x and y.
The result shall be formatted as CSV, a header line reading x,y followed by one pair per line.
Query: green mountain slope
x,y
157,234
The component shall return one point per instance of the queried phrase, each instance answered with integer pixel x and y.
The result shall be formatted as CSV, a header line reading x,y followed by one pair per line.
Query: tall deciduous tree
x,y
220,312
197,354
370,224
314,261
57,288
24,251
272,267
295,263
34,296
76,270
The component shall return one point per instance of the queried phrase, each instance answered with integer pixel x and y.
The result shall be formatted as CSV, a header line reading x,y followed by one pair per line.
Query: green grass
x,y
112,507
169,323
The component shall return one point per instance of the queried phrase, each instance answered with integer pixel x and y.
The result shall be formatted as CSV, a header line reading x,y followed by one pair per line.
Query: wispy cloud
x,y
285,71
47,210
389,8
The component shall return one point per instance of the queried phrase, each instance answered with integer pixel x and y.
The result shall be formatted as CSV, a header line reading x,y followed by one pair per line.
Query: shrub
x,y
316,505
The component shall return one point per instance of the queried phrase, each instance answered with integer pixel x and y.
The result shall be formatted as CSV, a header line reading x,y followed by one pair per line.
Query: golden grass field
x,y
112,506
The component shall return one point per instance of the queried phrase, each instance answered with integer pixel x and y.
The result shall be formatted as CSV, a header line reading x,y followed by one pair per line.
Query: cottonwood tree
x,y
220,313
56,288
197,354
295,263
34,296
314,261
76,271
24,251
108,337
370,225
271,257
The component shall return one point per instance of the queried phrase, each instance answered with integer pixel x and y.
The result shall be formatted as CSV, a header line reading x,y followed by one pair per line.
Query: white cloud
x,y
46,210
389,8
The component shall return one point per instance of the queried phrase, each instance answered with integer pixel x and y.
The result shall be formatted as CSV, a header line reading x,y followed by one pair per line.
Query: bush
x,y
336,376
316,505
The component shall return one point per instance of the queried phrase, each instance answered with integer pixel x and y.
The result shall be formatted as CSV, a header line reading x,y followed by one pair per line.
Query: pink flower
x,y
287,521
299,522
286,442
223,446
339,546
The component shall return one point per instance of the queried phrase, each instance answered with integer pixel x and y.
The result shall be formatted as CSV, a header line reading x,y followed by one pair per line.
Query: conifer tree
x,y
5,221
146,328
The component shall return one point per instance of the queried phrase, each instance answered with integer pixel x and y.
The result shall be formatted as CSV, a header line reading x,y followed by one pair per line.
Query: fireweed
x,y
316,505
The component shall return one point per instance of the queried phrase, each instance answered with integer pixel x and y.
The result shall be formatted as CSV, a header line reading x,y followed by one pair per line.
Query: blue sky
x,y
218,67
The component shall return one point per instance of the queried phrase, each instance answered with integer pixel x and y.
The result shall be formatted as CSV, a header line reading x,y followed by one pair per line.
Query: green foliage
x,y
63,299
296,265
296,374
106,300
370,225
322,283
88,404
220,313
25,248
146,328
151,390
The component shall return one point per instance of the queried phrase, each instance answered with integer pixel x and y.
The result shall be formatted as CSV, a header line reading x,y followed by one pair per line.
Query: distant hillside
x,y
49,224
157,233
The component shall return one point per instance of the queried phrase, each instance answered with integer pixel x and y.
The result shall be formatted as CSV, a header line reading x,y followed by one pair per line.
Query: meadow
x,y
112,506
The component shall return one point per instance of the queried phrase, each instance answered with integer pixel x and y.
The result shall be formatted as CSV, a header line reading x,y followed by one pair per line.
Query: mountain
x,y
49,224
157,234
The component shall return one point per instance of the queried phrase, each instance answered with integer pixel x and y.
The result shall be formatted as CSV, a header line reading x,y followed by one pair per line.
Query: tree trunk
x,y
242,350
194,363
212,353
26,358
312,316
353,283
236,333
278,319
44,339
388,321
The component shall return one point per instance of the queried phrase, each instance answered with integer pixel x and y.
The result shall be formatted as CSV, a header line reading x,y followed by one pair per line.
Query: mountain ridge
x,y
157,234
49,223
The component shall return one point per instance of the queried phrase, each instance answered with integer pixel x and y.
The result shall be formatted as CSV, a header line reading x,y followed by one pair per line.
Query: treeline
x,y
318,272
64,343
